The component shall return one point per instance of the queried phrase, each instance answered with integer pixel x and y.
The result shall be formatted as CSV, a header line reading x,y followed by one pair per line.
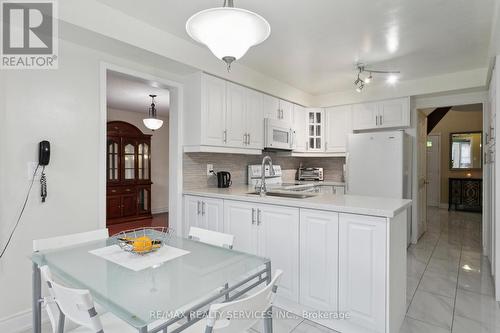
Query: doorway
x,y
433,170
173,146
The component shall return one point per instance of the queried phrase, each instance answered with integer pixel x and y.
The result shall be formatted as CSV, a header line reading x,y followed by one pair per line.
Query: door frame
x,y
436,101
176,89
439,205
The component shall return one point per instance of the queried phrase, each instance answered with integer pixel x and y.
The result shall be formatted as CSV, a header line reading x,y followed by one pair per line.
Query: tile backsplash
x,y
195,167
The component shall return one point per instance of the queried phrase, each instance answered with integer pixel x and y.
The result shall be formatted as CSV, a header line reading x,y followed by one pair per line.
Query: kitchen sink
x,y
295,195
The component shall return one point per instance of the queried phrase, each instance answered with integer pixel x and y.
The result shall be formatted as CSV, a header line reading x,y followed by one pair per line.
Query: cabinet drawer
x,y
120,190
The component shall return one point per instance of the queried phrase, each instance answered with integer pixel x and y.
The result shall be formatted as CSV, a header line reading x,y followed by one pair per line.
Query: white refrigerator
x,y
379,164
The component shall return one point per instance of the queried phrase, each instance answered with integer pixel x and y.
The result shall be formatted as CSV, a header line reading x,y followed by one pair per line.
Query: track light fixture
x,y
360,82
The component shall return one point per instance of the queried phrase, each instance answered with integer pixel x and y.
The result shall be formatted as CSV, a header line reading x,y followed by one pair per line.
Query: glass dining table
x,y
154,298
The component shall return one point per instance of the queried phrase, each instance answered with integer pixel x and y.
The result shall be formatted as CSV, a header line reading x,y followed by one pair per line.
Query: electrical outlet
x,y
31,167
210,169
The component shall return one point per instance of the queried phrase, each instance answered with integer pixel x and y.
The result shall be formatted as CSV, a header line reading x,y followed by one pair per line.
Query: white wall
x,y
159,155
62,106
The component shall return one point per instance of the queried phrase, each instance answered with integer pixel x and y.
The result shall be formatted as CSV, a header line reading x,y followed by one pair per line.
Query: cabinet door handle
x,y
259,217
381,120
225,136
253,215
203,208
199,207
248,137
245,139
376,120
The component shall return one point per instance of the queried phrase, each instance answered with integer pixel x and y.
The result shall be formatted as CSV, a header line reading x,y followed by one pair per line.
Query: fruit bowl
x,y
142,240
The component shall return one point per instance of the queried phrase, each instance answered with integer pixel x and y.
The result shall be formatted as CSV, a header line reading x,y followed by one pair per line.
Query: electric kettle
x,y
223,179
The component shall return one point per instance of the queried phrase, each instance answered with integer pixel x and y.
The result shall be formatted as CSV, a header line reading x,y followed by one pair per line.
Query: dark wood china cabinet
x,y
128,173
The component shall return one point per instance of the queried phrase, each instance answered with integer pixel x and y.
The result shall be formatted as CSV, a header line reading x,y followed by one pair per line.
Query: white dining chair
x,y
58,242
78,306
211,237
219,315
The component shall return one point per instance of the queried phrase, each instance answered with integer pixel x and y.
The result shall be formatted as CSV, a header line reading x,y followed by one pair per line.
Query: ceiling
x,y
314,44
132,94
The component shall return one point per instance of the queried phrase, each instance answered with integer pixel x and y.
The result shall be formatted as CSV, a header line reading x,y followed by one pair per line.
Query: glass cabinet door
x,y
143,158
113,160
143,200
315,129
129,160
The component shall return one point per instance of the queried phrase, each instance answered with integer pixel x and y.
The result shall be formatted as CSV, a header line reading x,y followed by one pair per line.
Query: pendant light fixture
x,y
360,83
152,122
228,31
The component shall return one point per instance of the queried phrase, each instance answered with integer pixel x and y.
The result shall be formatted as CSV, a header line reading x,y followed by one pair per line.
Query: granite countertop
x,y
354,204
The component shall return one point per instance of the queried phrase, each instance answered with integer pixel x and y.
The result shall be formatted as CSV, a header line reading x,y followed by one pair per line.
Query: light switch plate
x,y
31,167
210,169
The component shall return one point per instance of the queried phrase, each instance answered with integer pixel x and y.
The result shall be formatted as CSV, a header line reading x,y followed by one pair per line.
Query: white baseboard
x,y
159,210
20,322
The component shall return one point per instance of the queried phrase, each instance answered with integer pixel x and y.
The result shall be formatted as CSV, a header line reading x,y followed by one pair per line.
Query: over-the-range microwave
x,y
278,134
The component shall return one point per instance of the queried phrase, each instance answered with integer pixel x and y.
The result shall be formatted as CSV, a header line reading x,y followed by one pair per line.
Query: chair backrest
x,y
219,316
67,240
211,237
76,304
58,242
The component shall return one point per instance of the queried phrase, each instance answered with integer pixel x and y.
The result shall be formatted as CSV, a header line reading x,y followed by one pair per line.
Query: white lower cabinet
x,y
362,270
270,231
203,212
319,259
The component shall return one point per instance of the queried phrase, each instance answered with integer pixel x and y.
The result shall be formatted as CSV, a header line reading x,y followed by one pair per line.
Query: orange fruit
x,y
143,244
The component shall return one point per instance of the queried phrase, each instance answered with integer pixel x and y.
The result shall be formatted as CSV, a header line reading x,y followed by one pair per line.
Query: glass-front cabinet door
x,y
315,129
129,166
144,200
143,161
113,160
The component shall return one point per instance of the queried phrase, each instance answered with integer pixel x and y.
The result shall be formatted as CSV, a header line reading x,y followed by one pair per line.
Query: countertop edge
x,y
299,203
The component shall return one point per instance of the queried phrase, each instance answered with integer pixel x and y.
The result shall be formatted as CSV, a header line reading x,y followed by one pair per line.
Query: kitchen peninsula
x,y
342,255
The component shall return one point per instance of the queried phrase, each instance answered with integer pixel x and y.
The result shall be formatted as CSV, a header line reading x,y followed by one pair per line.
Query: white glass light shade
x,y
153,123
228,31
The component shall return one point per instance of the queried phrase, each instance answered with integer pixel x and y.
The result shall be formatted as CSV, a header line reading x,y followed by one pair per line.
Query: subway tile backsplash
x,y
195,167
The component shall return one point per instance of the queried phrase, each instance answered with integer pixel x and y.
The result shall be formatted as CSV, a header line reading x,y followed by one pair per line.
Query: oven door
x,y
278,134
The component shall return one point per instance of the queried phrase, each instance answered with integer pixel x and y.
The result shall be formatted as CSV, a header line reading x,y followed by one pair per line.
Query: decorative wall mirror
x,y
466,150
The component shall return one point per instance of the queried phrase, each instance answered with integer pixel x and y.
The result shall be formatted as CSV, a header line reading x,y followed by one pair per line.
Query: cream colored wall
x,y
455,121
159,155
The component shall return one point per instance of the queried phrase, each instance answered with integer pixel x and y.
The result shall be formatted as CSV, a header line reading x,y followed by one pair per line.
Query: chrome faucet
x,y
263,188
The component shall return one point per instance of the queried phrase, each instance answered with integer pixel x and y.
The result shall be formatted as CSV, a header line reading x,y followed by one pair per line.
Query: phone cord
x,y
43,185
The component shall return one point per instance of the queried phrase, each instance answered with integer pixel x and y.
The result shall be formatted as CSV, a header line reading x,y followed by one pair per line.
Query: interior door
x,y
235,116
433,170
421,173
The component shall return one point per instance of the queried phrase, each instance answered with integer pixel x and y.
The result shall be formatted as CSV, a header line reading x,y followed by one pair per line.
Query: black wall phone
x,y
43,161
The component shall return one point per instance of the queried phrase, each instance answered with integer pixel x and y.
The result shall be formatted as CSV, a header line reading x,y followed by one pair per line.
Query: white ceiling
x,y
132,94
314,44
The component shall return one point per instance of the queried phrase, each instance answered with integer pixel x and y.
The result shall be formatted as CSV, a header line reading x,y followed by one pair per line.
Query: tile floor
x,y
449,286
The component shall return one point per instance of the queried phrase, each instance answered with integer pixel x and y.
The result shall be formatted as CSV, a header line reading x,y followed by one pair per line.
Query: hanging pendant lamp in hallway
x,y
228,31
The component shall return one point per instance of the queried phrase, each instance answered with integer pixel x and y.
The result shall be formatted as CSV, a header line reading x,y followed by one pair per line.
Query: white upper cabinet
x,y
278,109
338,126
315,129
300,140
255,119
236,115
364,116
213,102
393,113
